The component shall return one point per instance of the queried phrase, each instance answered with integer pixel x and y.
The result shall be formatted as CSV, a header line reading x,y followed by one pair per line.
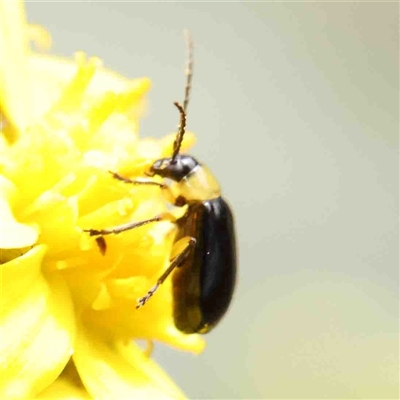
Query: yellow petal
x,y
155,323
14,83
36,326
63,389
44,157
13,234
58,223
40,36
138,358
57,146
52,73
106,375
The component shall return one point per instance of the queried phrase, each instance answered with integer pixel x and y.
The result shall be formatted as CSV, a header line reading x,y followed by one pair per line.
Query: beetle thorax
x,y
199,185
190,181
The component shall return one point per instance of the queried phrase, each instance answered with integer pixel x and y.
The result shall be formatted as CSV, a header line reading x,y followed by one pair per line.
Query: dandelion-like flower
x,y
68,313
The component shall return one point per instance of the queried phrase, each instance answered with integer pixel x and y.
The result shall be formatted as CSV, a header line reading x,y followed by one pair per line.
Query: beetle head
x,y
174,169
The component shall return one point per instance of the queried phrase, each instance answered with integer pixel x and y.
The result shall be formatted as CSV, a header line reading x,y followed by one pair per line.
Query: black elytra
x,y
204,284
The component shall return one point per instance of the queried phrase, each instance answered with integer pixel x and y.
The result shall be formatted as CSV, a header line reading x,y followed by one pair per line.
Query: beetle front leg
x,y
167,193
141,181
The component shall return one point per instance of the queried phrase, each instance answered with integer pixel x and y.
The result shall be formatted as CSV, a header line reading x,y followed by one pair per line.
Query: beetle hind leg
x,y
182,249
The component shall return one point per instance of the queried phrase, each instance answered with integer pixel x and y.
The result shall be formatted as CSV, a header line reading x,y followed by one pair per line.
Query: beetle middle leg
x,y
101,243
130,225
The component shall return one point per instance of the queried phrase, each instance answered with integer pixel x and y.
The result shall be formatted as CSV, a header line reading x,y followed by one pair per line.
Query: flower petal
x,y
51,73
107,375
14,83
63,389
13,234
135,356
36,326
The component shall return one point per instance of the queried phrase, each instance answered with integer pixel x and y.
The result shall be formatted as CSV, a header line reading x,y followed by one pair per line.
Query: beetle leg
x,y
129,225
183,248
102,244
167,193
141,181
132,225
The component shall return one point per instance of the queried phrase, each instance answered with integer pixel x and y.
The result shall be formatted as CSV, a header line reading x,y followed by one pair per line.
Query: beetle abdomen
x,y
204,284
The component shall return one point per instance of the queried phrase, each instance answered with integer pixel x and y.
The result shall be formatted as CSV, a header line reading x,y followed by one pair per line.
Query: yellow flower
x,y
68,317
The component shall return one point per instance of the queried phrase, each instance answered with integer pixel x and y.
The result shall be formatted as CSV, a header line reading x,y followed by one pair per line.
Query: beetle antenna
x,y
181,131
188,87
189,68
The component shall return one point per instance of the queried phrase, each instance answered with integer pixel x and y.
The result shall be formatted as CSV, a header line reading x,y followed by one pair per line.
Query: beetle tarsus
x,y
101,244
143,300
93,232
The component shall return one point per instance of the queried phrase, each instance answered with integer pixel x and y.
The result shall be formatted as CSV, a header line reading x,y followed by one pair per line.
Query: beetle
x,y
204,269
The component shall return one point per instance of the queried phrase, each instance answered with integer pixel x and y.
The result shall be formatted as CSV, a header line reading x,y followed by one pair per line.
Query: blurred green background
x,y
296,110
